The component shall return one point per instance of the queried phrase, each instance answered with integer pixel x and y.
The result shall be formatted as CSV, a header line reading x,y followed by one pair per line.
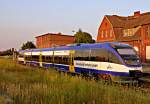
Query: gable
x,y
105,31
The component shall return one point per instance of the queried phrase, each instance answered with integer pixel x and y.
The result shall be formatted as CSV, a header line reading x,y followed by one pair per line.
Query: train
x,y
111,60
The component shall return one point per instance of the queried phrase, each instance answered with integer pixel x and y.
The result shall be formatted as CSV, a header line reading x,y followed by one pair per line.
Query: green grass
x,y
25,85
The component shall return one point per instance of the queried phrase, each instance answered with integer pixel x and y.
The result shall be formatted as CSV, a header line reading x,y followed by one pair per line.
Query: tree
x,y
28,45
83,37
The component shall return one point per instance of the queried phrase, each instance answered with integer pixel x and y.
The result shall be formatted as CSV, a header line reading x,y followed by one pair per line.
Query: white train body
x,y
107,60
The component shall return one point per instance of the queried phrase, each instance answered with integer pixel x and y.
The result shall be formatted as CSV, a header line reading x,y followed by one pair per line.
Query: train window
x,y
58,59
82,55
99,55
48,59
113,58
128,54
35,58
92,55
65,60
43,58
28,58
61,60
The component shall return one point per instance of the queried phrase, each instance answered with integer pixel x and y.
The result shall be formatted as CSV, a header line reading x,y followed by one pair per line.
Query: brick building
x,y
50,40
134,30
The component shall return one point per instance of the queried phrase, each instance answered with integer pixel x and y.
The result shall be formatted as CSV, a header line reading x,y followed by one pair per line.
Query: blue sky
x,y
22,20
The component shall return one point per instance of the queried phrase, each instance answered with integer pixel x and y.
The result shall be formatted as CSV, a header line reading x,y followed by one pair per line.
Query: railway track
x,y
145,80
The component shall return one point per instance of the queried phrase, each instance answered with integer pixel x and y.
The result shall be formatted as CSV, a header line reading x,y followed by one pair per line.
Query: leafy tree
x,y
28,45
83,37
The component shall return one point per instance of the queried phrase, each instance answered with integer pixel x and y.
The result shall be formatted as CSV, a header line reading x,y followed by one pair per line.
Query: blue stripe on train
x,y
81,70
58,66
47,65
84,70
62,67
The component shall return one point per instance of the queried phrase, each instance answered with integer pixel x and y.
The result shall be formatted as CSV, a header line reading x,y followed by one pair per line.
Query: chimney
x,y
137,14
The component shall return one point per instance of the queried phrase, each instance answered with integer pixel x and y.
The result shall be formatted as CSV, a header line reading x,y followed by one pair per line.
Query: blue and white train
x,y
112,60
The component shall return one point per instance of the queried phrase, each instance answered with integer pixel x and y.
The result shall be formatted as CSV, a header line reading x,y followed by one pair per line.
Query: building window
x,y
131,32
102,34
105,24
106,33
148,31
125,32
128,32
111,33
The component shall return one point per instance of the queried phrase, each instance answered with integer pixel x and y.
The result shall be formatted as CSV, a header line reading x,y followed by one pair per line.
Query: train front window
x,y
126,51
129,55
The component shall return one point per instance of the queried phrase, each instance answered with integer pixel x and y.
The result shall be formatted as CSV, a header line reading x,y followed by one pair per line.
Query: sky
x,y
23,20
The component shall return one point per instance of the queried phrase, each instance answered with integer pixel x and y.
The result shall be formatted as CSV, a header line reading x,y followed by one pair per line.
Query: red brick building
x,y
134,30
50,40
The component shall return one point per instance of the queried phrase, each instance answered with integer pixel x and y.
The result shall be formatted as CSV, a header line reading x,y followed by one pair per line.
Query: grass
x,y
26,85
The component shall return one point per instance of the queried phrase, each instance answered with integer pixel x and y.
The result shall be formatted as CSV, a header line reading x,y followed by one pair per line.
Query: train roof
x,y
77,47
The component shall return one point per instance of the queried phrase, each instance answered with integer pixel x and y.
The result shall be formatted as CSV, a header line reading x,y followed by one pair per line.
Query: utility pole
x,y
14,54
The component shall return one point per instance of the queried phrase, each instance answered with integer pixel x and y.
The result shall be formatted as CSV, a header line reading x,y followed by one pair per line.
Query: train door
x,y
71,66
40,59
24,56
